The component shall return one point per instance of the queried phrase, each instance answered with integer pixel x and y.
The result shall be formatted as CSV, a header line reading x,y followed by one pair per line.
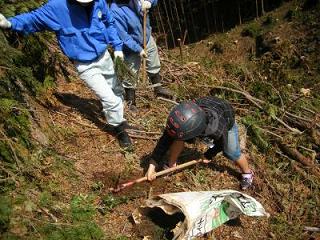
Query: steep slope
x,y
57,161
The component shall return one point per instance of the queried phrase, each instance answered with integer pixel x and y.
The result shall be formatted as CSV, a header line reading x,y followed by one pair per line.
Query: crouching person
x,y
211,120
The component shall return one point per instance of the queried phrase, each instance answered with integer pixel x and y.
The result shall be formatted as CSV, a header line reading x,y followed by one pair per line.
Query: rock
x,y
305,91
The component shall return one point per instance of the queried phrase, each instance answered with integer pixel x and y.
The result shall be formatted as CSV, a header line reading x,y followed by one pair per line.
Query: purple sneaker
x,y
246,180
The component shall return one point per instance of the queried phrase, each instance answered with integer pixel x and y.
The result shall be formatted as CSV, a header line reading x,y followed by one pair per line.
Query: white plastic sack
x,y
203,211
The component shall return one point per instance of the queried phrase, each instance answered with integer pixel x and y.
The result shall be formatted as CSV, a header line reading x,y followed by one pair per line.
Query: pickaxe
x,y
158,174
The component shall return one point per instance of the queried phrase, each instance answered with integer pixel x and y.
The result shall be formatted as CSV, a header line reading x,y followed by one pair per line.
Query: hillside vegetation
x,y
57,162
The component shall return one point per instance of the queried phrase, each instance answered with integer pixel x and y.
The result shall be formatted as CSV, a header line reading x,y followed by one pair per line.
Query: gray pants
x,y
133,60
101,79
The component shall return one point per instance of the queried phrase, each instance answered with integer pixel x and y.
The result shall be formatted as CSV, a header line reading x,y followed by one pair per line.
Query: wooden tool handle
x,y
144,60
169,170
144,29
158,174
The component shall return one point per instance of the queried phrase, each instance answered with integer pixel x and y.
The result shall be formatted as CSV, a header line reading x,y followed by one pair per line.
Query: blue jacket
x,y
81,37
129,23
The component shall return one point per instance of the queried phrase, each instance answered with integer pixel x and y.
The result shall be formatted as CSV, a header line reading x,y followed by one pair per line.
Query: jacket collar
x,y
134,5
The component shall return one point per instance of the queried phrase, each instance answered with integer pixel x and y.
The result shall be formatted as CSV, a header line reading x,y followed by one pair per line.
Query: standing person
x,y
84,29
210,119
128,16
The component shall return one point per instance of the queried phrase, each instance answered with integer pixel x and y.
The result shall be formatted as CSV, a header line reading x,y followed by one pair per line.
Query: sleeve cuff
x,y
12,23
136,49
118,48
139,49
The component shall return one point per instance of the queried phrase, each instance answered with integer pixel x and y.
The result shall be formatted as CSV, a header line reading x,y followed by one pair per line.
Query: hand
x,y
4,23
143,54
118,54
145,5
150,174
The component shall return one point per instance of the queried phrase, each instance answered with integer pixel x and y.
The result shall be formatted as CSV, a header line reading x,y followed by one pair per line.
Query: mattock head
x,y
116,189
120,187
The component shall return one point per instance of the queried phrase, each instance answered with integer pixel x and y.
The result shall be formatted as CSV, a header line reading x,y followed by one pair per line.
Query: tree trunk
x,y
239,12
162,26
205,9
214,16
262,7
169,23
222,23
192,22
178,19
186,25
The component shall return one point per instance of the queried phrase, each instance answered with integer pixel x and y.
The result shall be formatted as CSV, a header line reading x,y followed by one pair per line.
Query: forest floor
x,y
75,126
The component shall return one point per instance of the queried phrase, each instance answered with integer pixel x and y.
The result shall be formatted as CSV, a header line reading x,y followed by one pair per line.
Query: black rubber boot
x,y
130,97
122,136
159,91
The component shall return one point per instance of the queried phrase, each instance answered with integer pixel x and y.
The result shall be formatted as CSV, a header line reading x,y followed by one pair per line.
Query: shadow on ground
x,y
91,109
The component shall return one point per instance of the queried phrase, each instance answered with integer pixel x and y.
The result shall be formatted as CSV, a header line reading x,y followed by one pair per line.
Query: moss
x,y
26,69
81,214
208,63
256,135
83,231
252,30
32,65
264,90
109,202
121,238
15,120
46,199
12,8
15,123
268,21
82,208
5,212
236,70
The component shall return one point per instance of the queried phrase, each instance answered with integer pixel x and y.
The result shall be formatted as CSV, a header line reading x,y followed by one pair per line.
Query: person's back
x,y
129,22
220,116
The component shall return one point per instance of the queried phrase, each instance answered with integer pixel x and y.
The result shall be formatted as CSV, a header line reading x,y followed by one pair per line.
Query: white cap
x,y
84,1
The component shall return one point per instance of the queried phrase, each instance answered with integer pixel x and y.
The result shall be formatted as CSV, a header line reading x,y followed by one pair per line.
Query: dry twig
x,y
142,137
